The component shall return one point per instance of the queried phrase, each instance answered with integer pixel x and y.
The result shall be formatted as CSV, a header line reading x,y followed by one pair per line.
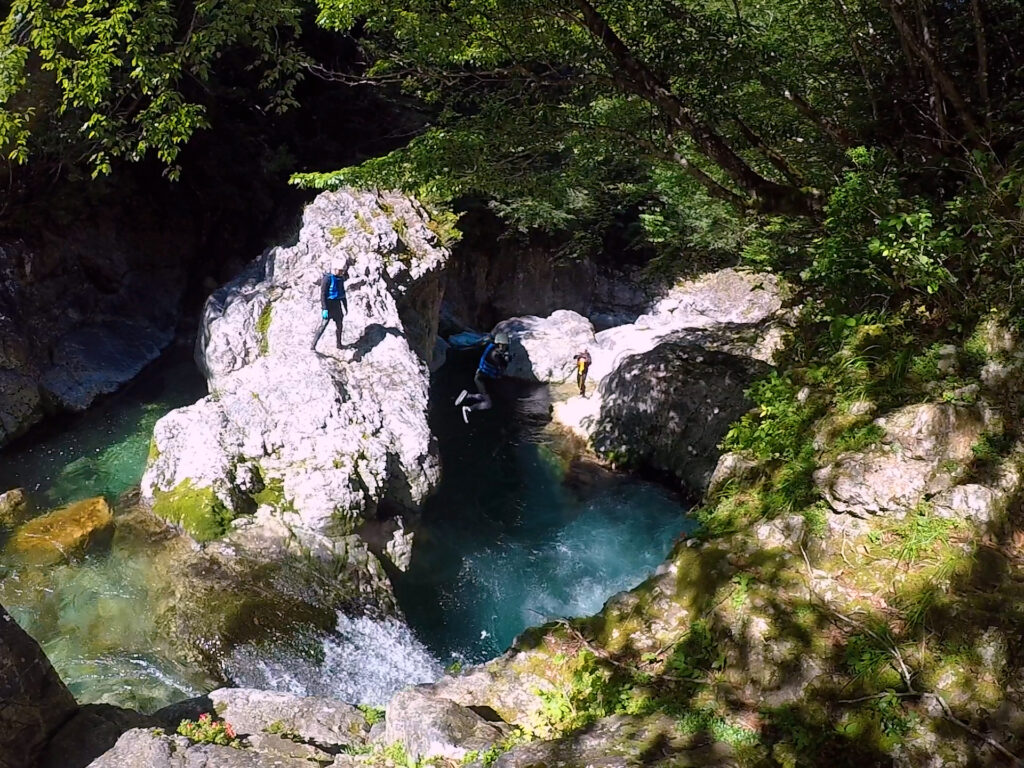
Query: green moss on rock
x,y
263,327
198,510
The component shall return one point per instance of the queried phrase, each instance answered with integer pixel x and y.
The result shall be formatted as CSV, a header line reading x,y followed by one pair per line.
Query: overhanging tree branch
x,y
765,195
928,56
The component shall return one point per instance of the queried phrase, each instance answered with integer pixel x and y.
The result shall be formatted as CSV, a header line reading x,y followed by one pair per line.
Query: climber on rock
x,y
583,361
333,302
493,363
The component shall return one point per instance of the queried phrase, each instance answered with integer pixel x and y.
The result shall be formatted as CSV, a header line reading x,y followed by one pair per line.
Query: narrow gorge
x,y
529,384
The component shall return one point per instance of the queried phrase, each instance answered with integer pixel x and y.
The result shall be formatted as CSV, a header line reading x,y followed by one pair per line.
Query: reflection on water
x,y
96,617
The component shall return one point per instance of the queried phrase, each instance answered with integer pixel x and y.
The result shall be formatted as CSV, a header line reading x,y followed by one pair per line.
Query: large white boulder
x,y
321,437
726,311
543,347
919,456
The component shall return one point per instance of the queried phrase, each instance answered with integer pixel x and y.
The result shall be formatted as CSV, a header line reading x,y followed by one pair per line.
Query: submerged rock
x,y
34,703
259,583
64,534
13,508
319,437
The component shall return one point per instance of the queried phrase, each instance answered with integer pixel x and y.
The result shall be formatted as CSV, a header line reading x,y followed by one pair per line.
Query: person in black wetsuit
x,y
333,302
493,363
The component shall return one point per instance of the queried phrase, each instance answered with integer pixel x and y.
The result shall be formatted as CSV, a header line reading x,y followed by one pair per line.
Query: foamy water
x,y
364,661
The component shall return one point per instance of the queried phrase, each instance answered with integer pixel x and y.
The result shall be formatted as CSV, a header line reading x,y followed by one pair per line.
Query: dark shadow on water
x,y
516,533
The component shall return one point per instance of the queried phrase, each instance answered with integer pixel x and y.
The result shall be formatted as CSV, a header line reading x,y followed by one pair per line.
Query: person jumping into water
x,y
493,363
333,302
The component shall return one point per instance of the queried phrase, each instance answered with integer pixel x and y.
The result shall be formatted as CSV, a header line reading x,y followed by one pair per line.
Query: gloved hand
x,y
324,314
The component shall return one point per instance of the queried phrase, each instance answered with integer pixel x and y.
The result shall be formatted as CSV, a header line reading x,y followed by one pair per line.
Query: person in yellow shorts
x,y
583,361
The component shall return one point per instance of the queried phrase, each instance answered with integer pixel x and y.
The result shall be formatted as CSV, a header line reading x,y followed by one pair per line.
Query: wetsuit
x,y
493,363
583,361
333,306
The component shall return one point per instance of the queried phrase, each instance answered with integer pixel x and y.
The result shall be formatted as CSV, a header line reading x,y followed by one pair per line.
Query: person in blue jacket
x,y
493,363
333,302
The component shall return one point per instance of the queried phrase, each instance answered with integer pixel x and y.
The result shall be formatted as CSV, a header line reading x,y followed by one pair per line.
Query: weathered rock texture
x,y
647,402
320,437
668,409
492,277
93,730
82,312
543,347
13,507
311,719
275,730
33,701
260,582
922,451
432,726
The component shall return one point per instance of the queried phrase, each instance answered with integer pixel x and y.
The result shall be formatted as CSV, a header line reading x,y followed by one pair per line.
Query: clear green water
x,y
103,451
93,618
511,540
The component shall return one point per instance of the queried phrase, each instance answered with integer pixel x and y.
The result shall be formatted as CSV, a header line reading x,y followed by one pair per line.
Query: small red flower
x,y
204,717
229,730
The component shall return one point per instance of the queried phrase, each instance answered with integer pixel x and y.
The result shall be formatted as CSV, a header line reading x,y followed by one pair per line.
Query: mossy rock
x,y
64,534
13,508
197,510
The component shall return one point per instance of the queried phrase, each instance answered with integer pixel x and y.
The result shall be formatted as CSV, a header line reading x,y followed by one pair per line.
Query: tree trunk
x,y
859,54
982,50
765,195
927,55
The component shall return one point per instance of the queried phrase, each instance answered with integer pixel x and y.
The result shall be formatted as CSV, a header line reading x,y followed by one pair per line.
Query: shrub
x,y
206,730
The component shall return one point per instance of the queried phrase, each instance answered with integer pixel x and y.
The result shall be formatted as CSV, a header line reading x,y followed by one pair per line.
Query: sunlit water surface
x,y
514,536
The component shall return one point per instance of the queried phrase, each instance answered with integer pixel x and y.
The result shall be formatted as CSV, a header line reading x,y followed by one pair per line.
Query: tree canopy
x,y
546,106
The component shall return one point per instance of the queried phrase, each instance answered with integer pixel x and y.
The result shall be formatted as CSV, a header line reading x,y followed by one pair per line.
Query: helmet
x,y
501,338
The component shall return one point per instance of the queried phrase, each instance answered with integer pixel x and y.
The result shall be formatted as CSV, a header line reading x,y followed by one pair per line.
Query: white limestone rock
x,y
334,431
920,454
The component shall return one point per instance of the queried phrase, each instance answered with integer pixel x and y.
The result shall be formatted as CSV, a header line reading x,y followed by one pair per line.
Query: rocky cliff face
x,y
662,390
322,437
34,703
80,314
494,274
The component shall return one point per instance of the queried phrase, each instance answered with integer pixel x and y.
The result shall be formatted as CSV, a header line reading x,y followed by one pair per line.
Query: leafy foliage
x,y
206,730
115,79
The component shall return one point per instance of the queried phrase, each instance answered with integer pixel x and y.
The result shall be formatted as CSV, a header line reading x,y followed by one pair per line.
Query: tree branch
x,y
773,155
927,55
633,74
